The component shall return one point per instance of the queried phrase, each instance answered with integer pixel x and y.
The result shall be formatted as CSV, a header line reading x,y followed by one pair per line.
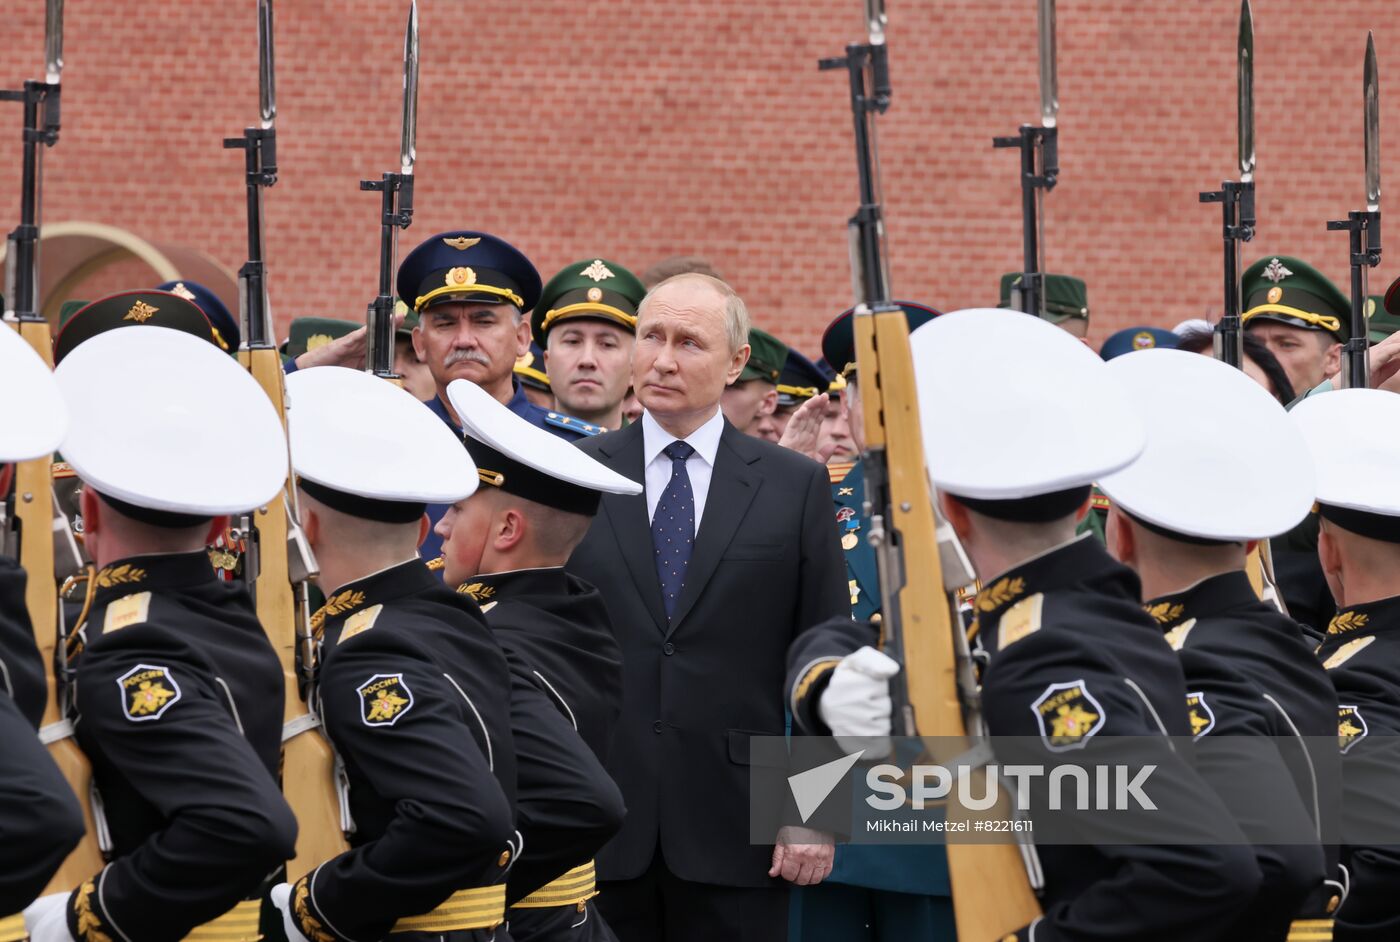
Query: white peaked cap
x,y
167,421
494,425
1013,407
33,416
1354,436
356,433
1223,461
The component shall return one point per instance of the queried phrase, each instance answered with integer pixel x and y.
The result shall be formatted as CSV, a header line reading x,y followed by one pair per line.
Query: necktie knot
x,y
678,451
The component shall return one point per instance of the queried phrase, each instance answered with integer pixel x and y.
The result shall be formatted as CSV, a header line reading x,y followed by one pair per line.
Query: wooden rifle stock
x,y
992,895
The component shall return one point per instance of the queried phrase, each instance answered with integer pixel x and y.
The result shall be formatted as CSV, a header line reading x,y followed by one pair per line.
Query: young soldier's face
x,y
1307,356
589,365
464,529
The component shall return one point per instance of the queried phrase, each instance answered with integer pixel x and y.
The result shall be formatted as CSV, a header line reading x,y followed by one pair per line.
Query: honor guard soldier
x,y
586,321
799,382
177,688
1070,653
754,395
1359,547
505,546
1250,671
414,691
888,893
39,816
471,292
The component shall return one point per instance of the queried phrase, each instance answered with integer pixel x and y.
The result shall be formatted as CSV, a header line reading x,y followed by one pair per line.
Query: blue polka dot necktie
x,y
673,526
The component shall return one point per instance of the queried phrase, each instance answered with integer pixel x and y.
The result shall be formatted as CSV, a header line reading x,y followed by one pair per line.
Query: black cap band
x,y
524,481
366,508
166,519
1042,508
1362,522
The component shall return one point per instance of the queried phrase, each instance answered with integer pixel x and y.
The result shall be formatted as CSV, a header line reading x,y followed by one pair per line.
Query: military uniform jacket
x,y
1072,657
21,669
415,698
558,626
1361,654
178,705
1249,672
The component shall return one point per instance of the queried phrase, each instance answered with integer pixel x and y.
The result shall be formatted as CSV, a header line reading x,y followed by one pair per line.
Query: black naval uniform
x,y
178,704
39,816
1072,655
567,693
1250,672
415,698
1361,654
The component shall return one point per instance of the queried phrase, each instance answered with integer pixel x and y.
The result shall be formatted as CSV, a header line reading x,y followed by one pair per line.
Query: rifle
x,y
278,563
1365,229
31,523
935,693
1236,199
395,212
1040,168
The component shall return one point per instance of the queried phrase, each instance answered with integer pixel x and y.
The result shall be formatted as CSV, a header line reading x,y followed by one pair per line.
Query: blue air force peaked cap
x,y
467,266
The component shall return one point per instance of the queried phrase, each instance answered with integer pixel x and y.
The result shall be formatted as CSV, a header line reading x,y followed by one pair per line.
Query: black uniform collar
x,y
156,571
1210,596
550,580
1082,561
1369,618
411,577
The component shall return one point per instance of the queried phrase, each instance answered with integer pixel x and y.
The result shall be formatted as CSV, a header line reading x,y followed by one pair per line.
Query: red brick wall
x,y
636,130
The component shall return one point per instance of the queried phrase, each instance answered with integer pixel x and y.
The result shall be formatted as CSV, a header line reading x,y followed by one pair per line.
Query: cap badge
x,y
1275,272
595,294
317,340
1274,294
597,271
461,243
140,312
460,276
182,291
1142,340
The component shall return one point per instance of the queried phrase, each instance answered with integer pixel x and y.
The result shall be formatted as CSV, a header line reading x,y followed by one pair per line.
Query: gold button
x,y
875,620
505,858
582,907
1332,904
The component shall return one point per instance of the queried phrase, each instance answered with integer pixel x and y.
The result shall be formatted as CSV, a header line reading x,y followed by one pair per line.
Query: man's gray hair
x,y
736,313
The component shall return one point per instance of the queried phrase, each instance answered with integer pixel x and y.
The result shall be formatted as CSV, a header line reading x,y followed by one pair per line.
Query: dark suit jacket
x,y
766,566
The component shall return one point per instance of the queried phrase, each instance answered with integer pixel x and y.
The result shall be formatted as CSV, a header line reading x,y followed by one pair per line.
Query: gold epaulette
x,y
1310,930
837,470
239,924
479,908
574,888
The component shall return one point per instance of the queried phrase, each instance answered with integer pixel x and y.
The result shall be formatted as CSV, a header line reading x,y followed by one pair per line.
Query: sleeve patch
x,y
359,623
148,690
1068,716
1019,620
384,699
126,611
1202,717
1351,727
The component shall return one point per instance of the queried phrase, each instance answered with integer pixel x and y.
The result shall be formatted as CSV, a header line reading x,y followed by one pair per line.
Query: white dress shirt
x,y
699,466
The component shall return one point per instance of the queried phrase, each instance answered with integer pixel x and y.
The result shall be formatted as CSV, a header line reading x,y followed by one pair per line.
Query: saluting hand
x,y
348,351
804,430
802,856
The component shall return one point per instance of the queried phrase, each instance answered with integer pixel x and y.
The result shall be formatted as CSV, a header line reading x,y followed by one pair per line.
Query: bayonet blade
x,y
267,87
1049,76
408,152
1245,110
1373,128
53,41
876,21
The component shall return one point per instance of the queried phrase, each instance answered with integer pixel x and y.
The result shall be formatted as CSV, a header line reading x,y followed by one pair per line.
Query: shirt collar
x,y
705,439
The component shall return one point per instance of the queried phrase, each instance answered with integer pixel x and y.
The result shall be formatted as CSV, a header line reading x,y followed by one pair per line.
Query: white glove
x,y
46,919
856,702
281,897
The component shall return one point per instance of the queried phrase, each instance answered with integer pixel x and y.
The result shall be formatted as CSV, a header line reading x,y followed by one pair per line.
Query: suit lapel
x,y
628,516
733,484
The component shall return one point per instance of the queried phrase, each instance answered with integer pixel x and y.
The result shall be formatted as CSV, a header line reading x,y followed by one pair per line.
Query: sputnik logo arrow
x,y
811,788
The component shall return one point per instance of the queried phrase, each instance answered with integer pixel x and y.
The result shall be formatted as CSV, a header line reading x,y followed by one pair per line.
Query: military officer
x,y
177,688
1066,300
1071,654
39,815
506,546
1250,672
471,292
586,320
1137,338
754,395
1359,547
1300,315
836,424
799,382
873,893
414,691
